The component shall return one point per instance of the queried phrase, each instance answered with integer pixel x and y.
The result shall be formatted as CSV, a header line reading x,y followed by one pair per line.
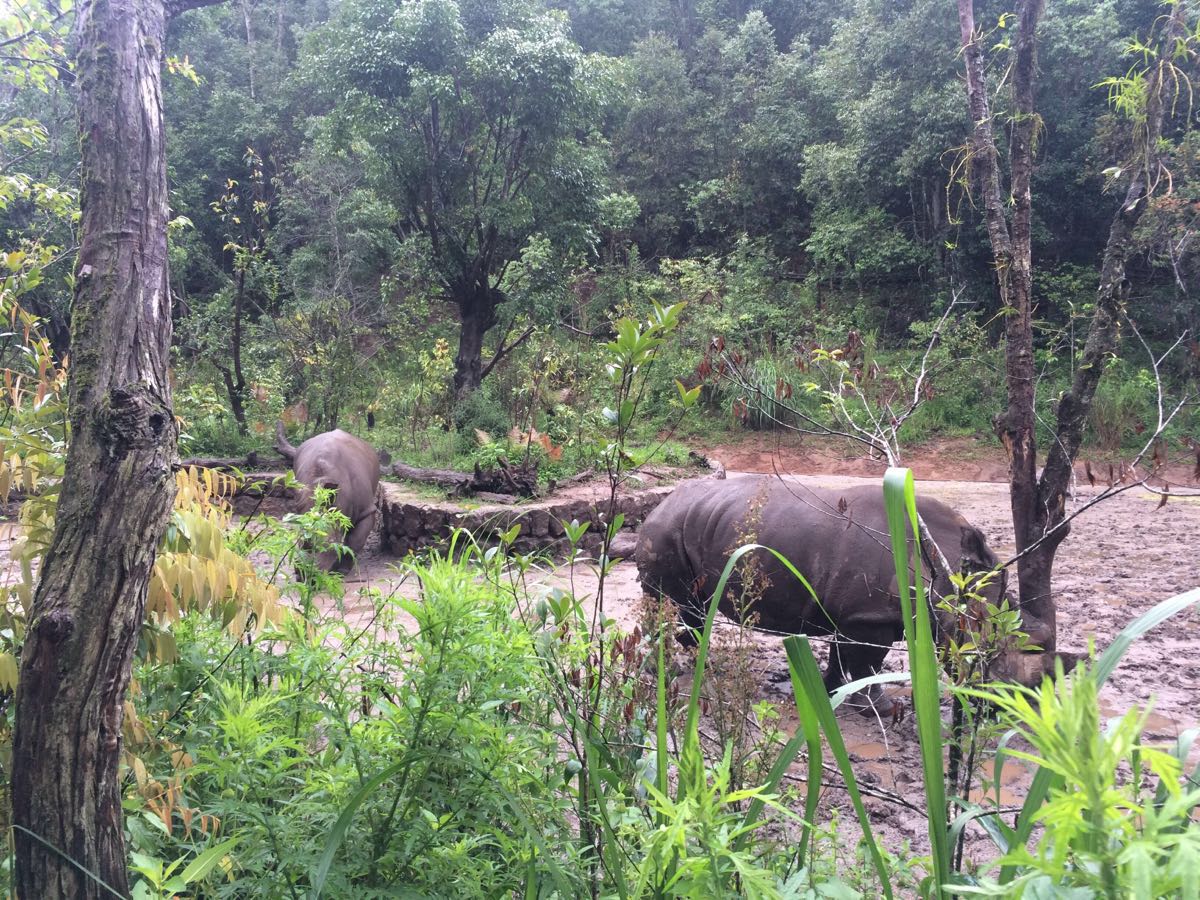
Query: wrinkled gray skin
x,y
685,542
349,466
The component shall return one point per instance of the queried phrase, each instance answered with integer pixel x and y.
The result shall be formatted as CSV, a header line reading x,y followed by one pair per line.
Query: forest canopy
x,y
405,209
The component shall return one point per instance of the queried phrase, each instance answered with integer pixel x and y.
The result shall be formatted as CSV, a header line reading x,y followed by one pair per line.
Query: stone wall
x,y
409,523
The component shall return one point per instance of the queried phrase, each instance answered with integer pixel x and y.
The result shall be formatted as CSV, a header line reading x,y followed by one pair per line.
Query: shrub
x,y
479,411
399,756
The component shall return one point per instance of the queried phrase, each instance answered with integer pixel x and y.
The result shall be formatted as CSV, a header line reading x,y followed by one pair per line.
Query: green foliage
x,y
432,704
861,244
512,169
963,377
1123,408
1106,833
479,411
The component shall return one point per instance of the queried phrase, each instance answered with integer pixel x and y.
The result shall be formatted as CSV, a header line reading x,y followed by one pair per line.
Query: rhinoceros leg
x,y
683,593
859,655
357,538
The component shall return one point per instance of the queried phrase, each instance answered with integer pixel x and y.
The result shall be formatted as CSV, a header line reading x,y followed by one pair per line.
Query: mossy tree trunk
x,y
119,484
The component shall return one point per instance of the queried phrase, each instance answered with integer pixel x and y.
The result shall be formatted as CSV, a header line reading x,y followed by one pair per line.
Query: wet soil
x,y
1122,557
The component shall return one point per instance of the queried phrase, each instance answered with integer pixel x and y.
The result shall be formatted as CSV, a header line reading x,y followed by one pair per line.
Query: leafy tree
x,y
474,119
38,157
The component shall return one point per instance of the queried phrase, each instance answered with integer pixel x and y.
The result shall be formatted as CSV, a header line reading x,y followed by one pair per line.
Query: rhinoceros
x,y
837,538
349,466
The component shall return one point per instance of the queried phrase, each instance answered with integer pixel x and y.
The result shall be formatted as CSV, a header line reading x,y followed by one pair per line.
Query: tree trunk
x,y
1039,505
234,378
477,316
1011,247
119,483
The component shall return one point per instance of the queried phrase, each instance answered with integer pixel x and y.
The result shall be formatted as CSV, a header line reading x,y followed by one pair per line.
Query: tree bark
x,y
234,378
1012,251
477,315
1039,505
118,484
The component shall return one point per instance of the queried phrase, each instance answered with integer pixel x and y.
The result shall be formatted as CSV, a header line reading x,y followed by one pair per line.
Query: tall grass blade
x,y
900,501
1045,780
850,688
813,704
809,727
1152,619
661,757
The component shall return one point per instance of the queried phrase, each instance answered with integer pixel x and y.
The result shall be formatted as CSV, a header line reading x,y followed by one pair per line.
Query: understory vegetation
x,y
475,734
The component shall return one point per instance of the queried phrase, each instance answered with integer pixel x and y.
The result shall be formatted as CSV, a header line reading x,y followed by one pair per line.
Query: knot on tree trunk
x,y
55,626
133,417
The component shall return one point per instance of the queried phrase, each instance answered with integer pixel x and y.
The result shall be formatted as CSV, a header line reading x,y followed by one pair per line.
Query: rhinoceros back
x,y
341,459
836,538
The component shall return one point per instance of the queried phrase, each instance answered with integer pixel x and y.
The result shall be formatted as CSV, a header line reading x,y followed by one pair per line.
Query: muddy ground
x,y
1122,557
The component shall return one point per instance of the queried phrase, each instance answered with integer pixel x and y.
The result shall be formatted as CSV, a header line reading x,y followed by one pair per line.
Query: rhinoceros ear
x,y
975,551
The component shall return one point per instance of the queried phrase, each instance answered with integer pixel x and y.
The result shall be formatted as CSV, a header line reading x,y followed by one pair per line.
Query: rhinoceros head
x,y
977,557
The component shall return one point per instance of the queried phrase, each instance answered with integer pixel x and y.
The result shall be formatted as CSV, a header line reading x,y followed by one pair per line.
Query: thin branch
x,y
32,32
503,351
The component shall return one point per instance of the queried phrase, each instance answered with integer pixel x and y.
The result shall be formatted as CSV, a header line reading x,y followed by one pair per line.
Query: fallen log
x,y
587,474
489,497
250,461
446,477
505,478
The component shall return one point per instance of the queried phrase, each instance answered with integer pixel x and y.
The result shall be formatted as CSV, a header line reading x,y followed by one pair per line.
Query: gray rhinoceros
x,y
349,466
837,538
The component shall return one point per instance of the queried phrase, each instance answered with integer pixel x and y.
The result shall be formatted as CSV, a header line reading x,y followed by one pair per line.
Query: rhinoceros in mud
x,y
837,538
347,465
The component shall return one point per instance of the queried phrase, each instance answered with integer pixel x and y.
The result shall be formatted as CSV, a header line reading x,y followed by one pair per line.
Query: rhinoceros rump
x,y
837,539
348,466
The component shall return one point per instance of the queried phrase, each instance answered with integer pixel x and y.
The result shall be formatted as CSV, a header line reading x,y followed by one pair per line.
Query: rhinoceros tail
x,y
285,449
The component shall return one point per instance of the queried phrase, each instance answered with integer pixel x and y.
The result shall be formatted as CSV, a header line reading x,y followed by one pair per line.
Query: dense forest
x,y
410,214
521,246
